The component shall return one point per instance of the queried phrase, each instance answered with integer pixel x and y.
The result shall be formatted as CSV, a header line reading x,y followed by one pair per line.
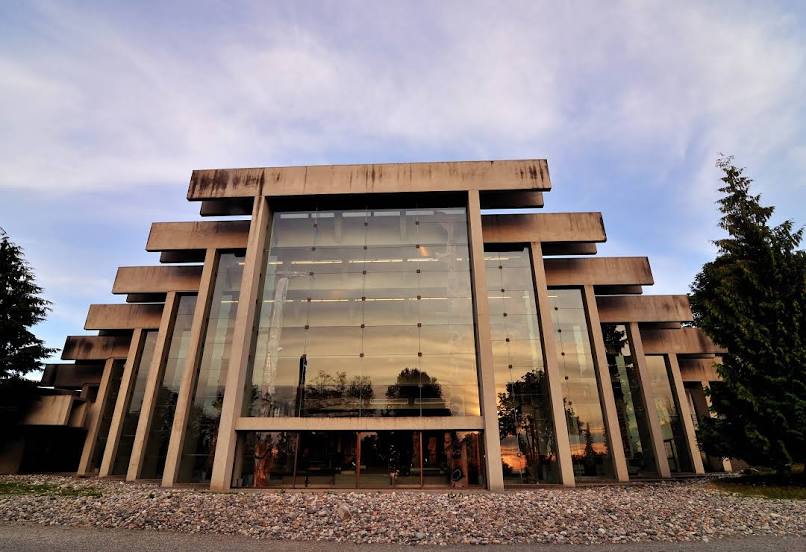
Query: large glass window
x,y
528,444
162,416
132,411
105,420
368,459
583,409
632,417
365,313
668,410
205,411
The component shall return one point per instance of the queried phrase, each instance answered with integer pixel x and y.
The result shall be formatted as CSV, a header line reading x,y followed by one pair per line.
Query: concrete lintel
x,y
530,174
217,234
612,271
468,423
544,227
157,279
644,308
123,316
95,347
683,341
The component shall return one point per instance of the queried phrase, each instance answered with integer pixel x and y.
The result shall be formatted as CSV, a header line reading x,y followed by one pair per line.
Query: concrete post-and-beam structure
x,y
562,248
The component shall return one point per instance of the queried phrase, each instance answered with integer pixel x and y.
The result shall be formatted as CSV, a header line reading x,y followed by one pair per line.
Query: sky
x,y
107,107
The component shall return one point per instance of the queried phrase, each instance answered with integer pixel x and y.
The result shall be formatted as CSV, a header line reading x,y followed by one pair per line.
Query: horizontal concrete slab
x,y
360,424
95,347
685,341
543,227
644,308
173,236
72,376
123,317
157,279
604,271
529,174
699,369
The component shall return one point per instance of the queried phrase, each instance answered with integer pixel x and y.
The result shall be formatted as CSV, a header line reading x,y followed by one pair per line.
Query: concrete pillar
x,y
242,335
125,393
187,385
152,385
96,412
484,345
658,450
685,414
609,412
552,363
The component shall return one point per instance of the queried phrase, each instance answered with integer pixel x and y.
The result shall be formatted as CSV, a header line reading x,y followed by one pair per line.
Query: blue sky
x,y
105,108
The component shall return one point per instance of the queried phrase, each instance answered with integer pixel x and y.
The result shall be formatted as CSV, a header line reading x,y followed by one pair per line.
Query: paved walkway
x,y
29,538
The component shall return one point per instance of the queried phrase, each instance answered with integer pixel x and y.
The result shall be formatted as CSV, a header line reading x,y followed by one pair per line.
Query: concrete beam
x,y
644,308
684,341
543,227
699,369
123,316
201,235
226,207
530,174
50,410
72,376
568,248
182,256
156,279
604,271
521,199
95,347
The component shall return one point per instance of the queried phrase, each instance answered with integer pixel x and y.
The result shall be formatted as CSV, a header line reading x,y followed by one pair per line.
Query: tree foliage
x,y
751,300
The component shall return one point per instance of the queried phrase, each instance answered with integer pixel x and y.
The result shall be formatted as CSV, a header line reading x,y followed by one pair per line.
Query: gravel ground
x,y
669,512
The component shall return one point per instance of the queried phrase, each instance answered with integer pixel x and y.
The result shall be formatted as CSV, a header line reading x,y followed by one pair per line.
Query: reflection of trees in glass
x,y
413,385
203,425
326,392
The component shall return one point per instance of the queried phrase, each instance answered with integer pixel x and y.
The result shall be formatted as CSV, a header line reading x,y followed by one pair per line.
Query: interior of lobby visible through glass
x,y
365,313
668,412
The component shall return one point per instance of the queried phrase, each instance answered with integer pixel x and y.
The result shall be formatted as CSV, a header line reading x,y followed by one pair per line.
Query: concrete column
x,y
242,335
615,444
658,450
97,410
685,414
125,393
484,345
552,364
187,385
152,385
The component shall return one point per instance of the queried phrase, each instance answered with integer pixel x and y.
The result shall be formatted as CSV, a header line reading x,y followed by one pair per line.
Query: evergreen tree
x,y
21,351
751,300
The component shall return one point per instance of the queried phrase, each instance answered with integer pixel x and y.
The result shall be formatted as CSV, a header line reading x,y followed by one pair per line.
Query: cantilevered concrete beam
x,y
521,199
123,317
145,298
72,376
530,174
178,236
183,256
156,279
95,347
604,271
699,369
644,308
543,227
568,248
226,207
685,341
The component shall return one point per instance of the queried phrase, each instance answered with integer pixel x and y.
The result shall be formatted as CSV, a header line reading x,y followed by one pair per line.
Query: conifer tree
x,y
751,300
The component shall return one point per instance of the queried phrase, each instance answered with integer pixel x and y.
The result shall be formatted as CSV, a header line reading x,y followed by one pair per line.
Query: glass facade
x,y
162,416
132,411
365,313
528,444
668,411
201,434
366,459
632,416
583,409
105,420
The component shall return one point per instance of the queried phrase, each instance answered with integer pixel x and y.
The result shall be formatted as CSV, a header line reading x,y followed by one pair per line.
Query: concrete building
x,y
375,326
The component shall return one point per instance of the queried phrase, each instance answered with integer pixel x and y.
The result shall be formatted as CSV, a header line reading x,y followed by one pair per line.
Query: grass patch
x,y
45,489
767,486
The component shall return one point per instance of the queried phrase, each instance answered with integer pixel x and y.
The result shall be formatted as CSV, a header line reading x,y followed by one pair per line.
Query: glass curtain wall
x,y
528,444
583,409
201,434
365,313
632,416
671,426
105,420
165,405
368,459
132,411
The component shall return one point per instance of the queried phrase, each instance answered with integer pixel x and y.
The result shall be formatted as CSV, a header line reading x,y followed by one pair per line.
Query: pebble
x,y
668,512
